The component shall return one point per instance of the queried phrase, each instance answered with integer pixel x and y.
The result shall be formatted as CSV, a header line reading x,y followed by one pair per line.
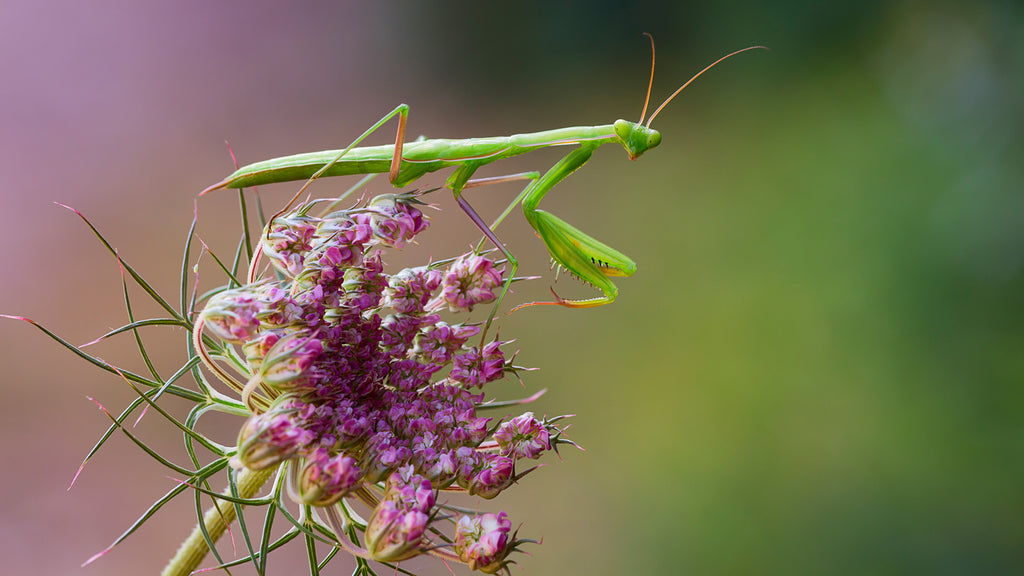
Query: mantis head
x,y
636,138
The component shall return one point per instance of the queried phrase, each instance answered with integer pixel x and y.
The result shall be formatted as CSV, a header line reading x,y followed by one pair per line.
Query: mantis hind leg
x,y
402,111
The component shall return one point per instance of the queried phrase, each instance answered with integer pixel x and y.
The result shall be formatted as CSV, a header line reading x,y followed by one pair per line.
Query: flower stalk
x,y
216,520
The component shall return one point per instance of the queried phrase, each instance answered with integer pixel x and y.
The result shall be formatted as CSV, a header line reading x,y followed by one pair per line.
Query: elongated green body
x,y
418,157
584,257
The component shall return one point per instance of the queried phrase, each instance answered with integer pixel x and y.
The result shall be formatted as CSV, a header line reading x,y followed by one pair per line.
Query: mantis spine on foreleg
x,y
582,255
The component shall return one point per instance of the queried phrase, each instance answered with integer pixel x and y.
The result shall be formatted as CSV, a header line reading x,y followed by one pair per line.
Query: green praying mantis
x,y
585,257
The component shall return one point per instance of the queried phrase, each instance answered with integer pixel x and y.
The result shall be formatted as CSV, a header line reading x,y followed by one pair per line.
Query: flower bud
x,y
523,437
476,368
394,534
268,439
410,289
469,281
364,285
232,315
394,220
498,473
289,359
483,542
382,455
325,479
437,344
286,242
470,462
395,531
257,348
277,309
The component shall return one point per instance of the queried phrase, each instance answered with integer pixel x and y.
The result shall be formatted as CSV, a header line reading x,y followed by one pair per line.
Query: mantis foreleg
x,y
582,255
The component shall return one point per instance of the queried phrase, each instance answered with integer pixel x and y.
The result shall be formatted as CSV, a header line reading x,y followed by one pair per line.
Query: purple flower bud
x,y
394,534
410,489
268,439
325,479
325,268
410,289
398,332
382,455
289,360
471,429
232,315
469,463
395,531
470,280
393,220
277,309
351,427
257,348
438,343
475,369
287,242
498,473
443,468
523,437
483,542
364,285
340,229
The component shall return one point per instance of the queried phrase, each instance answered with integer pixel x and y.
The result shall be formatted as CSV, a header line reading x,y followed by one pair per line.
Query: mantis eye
x,y
653,139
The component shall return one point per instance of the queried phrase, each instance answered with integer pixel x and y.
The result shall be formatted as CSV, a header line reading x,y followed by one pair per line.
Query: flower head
x,y
359,389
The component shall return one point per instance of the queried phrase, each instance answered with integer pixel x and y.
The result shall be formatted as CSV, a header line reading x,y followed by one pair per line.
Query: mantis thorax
x,y
636,138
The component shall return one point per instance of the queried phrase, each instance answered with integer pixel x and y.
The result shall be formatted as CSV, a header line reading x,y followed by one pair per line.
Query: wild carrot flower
x,y
356,392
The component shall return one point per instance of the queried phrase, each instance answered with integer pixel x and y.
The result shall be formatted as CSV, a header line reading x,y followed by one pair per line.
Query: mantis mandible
x,y
573,250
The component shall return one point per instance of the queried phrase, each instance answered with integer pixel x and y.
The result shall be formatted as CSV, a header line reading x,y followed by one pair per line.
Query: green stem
x,y
217,519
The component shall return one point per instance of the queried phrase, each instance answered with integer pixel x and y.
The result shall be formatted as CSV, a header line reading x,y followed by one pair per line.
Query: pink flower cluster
x,y
354,380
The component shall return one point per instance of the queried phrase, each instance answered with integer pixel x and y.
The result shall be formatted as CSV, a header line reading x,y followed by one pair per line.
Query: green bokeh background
x,y
817,368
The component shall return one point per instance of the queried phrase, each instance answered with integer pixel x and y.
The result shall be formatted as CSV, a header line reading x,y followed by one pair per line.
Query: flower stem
x,y
217,519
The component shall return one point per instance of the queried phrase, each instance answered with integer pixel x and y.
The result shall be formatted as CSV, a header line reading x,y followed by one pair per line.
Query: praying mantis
x,y
585,257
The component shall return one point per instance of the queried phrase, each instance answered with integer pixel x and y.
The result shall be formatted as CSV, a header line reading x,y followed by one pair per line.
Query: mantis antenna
x,y
709,67
650,83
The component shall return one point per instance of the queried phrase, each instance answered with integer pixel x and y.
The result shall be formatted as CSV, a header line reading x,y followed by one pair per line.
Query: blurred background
x,y
817,368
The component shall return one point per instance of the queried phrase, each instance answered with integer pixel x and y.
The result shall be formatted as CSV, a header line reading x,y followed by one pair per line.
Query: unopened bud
x,y
523,437
395,531
394,220
498,473
483,542
289,360
232,315
268,439
470,280
325,479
